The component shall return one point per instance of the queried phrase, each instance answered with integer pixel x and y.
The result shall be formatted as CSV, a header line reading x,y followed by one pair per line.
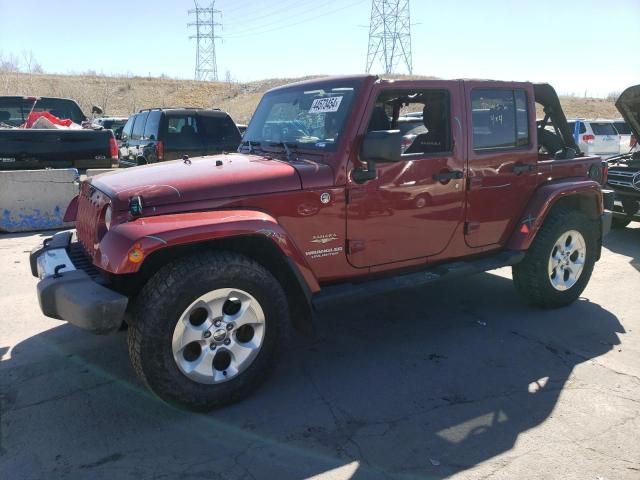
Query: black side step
x,y
355,291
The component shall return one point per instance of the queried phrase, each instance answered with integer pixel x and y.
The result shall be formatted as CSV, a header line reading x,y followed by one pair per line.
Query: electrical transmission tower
x,y
390,35
206,66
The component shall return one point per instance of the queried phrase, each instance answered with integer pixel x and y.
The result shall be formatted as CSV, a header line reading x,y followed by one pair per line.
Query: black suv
x,y
170,133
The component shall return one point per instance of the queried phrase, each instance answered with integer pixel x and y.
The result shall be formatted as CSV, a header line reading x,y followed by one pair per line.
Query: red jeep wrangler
x,y
342,187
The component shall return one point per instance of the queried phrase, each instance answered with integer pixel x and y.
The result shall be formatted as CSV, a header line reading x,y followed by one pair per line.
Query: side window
x,y
138,127
182,130
152,125
422,116
128,128
218,130
572,127
500,119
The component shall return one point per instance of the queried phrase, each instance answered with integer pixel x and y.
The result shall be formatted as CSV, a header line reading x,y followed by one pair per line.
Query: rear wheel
x,y
207,329
559,263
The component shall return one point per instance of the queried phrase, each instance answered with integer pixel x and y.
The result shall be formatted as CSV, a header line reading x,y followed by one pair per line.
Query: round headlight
x,y
107,217
595,173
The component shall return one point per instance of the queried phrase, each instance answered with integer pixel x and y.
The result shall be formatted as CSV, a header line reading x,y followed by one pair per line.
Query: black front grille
x,y
83,262
622,179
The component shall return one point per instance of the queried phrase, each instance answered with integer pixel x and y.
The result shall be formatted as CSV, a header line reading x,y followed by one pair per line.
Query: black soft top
x,y
628,104
547,97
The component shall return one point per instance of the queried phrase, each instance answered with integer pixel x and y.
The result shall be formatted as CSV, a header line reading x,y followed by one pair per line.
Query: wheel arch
x,y
584,196
166,238
259,249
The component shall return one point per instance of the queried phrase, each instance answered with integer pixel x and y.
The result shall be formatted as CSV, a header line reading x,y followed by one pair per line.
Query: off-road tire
x,y
169,293
620,222
531,277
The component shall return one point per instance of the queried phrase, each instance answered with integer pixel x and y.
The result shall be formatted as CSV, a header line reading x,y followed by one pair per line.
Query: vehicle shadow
x,y
420,384
625,241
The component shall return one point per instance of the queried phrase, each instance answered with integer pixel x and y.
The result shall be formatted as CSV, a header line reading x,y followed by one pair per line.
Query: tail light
x,y
633,141
160,151
407,141
597,173
113,148
589,139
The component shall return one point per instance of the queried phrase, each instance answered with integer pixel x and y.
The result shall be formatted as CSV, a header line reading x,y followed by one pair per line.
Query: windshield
x,y
14,110
304,117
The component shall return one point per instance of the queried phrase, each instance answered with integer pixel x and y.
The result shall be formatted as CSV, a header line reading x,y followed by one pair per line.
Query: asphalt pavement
x,y
458,380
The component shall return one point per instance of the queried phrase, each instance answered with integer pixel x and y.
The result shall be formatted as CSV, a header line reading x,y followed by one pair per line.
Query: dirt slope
x,y
124,95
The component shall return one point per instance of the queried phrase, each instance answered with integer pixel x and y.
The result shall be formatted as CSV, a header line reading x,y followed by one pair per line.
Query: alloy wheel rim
x,y
567,259
218,336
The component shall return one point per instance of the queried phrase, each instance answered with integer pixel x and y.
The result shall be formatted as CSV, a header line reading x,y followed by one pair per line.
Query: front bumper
x,y
68,293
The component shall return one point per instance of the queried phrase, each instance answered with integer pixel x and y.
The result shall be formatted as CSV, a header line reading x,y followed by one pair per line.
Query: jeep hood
x,y
203,178
628,104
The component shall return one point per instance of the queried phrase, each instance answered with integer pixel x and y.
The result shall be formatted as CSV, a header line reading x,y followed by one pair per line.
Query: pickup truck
x,y
30,148
624,169
210,260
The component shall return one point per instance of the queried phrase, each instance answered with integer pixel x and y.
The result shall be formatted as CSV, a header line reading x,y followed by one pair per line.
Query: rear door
x,y
606,138
218,133
502,159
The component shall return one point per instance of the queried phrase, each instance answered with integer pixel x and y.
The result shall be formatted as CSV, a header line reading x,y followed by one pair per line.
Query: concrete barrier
x,y
92,172
36,199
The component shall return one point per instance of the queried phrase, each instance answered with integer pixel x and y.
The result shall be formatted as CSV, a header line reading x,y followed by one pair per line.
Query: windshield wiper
x,y
250,144
287,146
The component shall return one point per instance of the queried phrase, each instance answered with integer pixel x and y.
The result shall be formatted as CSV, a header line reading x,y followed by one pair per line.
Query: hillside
x,y
124,95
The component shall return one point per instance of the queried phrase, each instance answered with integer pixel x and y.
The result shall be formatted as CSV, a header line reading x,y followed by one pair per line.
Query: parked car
x,y
161,134
624,169
115,124
214,258
31,148
411,126
626,136
596,137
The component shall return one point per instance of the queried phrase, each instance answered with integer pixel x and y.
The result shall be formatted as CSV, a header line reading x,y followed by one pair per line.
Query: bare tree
x,y
31,66
9,63
106,91
9,66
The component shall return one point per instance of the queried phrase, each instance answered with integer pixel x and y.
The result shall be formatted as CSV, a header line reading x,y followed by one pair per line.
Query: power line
x,y
245,15
390,35
206,64
251,33
290,14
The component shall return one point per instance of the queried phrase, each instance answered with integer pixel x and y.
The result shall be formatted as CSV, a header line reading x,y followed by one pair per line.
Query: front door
x,y
413,207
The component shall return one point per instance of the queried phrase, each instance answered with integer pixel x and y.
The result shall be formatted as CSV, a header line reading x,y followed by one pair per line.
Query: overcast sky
x,y
578,46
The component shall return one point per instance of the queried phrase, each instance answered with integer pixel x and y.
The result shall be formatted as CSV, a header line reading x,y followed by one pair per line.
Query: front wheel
x,y
207,329
559,263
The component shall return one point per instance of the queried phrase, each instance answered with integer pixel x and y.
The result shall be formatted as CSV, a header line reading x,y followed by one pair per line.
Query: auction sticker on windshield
x,y
326,105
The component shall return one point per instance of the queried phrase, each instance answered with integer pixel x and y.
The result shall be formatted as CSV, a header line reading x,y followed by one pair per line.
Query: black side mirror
x,y
96,110
382,146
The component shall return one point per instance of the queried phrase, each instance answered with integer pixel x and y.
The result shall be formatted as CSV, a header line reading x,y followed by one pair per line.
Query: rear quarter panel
x,y
544,199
